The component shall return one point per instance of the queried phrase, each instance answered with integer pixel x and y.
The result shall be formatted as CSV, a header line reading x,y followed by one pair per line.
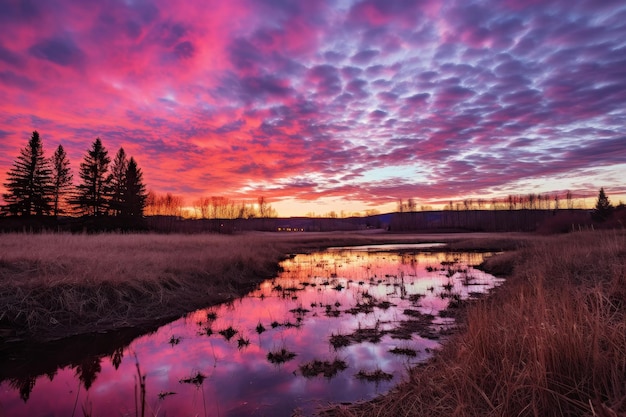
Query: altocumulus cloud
x,y
303,100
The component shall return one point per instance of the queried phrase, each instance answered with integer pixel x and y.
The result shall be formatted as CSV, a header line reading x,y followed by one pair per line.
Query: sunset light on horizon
x,y
329,105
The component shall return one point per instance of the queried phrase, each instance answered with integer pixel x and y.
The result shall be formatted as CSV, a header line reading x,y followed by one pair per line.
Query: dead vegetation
x,y
550,342
57,285
326,368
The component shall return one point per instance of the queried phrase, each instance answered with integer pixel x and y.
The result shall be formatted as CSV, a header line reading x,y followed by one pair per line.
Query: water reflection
x,y
341,325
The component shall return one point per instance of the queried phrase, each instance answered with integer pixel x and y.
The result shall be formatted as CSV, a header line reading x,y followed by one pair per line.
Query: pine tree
x,y
603,208
134,194
61,180
29,183
93,194
118,181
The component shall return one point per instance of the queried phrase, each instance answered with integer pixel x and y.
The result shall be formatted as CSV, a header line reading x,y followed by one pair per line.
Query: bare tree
x,y
570,199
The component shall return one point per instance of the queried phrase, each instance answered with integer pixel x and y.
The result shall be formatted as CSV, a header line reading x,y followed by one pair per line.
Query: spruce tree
x,y
134,192
29,183
118,181
603,208
93,194
61,181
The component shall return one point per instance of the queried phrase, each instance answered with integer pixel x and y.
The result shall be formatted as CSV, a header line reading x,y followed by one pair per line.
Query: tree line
x,y
531,201
213,207
38,186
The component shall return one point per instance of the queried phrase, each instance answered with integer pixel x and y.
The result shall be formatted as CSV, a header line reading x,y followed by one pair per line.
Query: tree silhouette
x,y
93,194
29,182
118,181
133,195
88,370
61,180
117,356
603,208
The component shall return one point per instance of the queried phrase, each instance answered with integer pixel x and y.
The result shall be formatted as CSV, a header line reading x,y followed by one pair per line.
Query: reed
x,y
550,342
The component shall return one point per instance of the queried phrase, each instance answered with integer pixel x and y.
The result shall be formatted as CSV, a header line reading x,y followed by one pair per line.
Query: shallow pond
x,y
335,326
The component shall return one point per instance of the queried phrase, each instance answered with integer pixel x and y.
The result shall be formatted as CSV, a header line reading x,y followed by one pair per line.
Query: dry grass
x,y
550,342
53,285
56,285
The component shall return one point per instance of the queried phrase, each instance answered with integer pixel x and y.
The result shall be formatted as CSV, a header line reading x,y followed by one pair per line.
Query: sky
x,y
322,105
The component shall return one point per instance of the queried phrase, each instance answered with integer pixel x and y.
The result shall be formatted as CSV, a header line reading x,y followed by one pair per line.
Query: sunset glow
x,y
325,105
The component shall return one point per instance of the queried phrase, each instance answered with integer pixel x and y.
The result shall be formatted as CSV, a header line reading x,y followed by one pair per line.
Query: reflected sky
x,y
345,305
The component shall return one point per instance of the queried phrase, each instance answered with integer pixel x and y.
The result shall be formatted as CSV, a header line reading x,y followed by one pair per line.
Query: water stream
x,y
340,325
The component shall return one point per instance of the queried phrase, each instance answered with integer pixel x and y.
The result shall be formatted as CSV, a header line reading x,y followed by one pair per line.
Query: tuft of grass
x,y
326,368
374,376
281,356
339,341
243,342
196,379
228,333
164,394
403,351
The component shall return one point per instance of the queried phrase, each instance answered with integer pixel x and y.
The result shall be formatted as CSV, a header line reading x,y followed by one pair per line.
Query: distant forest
x,y
111,195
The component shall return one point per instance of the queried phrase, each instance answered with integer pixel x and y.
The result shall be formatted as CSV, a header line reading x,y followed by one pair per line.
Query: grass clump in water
x,y
403,351
281,356
374,376
197,379
326,368
228,333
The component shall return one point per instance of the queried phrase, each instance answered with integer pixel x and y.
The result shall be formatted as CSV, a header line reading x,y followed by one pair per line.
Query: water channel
x,y
335,326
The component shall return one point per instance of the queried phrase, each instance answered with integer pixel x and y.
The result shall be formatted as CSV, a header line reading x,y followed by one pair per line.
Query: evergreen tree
x,y
118,181
29,182
603,208
61,180
93,194
134,191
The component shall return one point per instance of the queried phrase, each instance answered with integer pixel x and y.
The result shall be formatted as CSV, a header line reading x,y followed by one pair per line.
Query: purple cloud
x,y
61,51
364,57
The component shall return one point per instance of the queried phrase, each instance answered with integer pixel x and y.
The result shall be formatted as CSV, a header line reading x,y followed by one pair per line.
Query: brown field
x,y
57,285
550,342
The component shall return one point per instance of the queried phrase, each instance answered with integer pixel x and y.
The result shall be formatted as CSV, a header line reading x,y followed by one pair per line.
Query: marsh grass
x,y
373,376
403,351
280,356
550,342
57,285
328,369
